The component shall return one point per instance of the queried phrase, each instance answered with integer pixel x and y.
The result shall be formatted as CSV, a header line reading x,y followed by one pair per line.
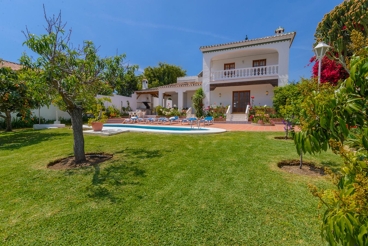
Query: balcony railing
x,y
240,73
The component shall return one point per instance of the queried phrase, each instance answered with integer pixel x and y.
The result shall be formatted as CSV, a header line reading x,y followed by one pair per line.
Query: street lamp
x,y
320,51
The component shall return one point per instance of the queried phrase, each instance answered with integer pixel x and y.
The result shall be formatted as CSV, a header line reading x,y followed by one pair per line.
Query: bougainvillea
x,y
331,71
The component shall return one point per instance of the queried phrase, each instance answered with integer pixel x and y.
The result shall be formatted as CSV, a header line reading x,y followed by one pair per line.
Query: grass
x,y
158,189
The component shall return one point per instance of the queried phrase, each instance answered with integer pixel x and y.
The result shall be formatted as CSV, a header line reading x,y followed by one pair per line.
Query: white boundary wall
x,y
49,113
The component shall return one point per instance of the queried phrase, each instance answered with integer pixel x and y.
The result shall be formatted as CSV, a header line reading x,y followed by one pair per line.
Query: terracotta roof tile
x,y
252,41
12,65
180,84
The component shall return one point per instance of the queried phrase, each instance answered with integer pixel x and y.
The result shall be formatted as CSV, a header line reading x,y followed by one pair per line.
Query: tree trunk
x,y
77,124
8,121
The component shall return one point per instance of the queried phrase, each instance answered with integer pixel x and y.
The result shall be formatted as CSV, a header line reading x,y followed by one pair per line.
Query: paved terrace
x,y
227,126
248,127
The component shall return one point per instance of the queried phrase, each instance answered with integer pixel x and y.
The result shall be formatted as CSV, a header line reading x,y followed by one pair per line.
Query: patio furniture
x,y
131,120
174,119
162,120
189,120
207,120
151,120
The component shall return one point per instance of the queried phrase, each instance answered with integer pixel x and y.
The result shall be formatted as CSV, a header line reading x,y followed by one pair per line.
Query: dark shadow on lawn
x,y
22,138
334,166
125,171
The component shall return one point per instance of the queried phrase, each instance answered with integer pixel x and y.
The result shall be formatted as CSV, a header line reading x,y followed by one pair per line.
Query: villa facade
x,y
234,74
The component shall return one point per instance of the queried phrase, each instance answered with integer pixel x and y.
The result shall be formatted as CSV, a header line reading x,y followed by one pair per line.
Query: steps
x,y
239,118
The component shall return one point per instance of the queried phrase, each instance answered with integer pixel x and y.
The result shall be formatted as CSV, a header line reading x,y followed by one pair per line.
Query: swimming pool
x,y
163,129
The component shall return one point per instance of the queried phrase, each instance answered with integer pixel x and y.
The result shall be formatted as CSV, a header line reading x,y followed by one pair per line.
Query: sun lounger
x,y
190,120
162,120
151,120
130,120
174,119
207,120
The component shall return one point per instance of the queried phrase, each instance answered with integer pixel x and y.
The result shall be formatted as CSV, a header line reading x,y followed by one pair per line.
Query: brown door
x,y
240,101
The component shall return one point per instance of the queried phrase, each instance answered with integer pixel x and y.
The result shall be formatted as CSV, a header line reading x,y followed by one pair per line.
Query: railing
x,y
249,72
189,79
228,113
189,113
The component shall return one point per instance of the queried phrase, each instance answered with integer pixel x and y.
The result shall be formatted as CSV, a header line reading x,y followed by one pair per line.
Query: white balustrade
x,y
249,72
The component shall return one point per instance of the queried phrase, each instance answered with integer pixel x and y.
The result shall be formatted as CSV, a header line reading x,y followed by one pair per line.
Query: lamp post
x,y
320,51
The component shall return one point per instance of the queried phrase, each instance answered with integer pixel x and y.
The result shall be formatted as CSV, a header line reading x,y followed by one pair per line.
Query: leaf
x,y
343,127
365,142
363,231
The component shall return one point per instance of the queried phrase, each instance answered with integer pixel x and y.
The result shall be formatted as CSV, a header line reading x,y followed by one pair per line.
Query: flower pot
x,y
260,122
97,126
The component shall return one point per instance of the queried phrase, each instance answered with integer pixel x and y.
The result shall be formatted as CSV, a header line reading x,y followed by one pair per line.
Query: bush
x,y
215,111
112,111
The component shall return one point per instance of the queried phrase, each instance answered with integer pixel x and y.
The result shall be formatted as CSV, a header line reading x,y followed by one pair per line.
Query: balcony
x,y
245,73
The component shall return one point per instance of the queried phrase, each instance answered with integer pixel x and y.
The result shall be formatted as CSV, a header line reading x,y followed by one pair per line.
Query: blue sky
x,y
171,31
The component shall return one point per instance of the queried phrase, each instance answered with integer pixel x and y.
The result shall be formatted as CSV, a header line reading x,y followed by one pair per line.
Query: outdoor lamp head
x,y
320,50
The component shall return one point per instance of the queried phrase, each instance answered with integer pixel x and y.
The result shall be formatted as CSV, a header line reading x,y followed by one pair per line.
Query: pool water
x,y
163,129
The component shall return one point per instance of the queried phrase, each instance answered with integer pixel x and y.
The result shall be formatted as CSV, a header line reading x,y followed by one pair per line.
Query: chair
x,y
141,115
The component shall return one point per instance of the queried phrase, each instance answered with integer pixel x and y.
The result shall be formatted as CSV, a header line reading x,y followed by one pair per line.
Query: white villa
x,y
233,74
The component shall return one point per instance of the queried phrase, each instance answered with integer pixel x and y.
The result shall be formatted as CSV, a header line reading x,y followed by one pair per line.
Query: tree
x,y
71,76
14,95
126,85
339,120
337,26
163,74
198,102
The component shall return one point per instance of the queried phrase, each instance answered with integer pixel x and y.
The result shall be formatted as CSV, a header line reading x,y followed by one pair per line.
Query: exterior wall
x,y
121,101
258,91
245,61
206,78
276,53
49,113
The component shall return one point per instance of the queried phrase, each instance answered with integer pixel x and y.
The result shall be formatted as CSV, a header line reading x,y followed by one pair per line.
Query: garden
x,y
145,188
182,190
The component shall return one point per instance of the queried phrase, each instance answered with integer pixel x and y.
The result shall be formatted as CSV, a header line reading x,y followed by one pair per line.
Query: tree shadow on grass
x,y
126,171
334,166
22,138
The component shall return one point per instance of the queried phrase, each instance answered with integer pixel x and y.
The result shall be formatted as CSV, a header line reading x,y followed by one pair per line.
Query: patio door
x,y
229,66
240,101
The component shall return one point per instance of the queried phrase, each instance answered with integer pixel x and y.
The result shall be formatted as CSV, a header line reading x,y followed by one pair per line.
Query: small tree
x,y
329,120
15,96
198,102
71,76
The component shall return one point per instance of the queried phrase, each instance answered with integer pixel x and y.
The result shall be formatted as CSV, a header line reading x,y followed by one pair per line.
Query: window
x,y
259,63
229,66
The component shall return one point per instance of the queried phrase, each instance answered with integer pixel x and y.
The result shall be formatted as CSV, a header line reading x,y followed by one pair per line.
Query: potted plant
x,y
97,110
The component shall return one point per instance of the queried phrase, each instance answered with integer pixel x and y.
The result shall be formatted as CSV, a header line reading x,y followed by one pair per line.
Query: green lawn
x,y
158,189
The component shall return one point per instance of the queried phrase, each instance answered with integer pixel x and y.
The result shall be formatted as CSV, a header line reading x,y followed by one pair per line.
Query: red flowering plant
x,y
215,111
331,71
